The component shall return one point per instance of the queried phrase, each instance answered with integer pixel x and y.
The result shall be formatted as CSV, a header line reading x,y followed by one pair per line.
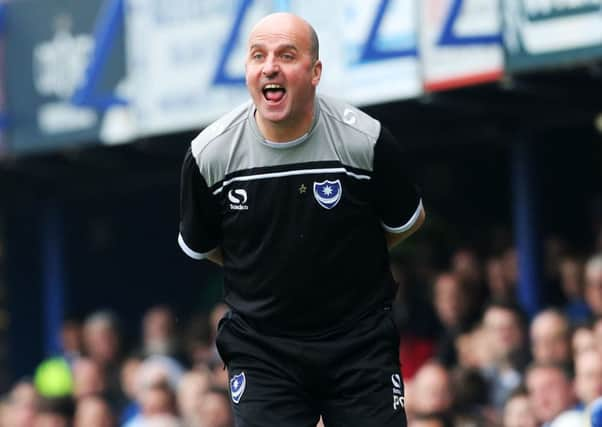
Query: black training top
x,y
301,224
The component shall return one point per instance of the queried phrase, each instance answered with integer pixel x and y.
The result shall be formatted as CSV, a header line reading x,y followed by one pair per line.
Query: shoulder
x,y
210,148
352,133
213,133
349,118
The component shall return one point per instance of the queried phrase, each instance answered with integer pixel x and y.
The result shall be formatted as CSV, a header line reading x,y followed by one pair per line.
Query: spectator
x,y
159,336
157,401
215,409
21,405
550,337
430,391
498,285
93,411
88,378
191,391
453,309
518,411
505,338
583,339
54,412
71,339
550,390
571,282
473,349
471,397
593,284
159,369
101,338
128,380
466,267
588,376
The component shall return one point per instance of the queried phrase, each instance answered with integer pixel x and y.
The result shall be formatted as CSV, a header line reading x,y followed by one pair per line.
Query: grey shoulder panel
x,y
212,146
353,132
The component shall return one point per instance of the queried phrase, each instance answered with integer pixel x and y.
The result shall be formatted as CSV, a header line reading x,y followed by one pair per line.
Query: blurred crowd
x,y
472,357
174,379
469,354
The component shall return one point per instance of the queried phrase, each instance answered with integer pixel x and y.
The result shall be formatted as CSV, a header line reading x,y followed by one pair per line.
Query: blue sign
x,y
64,72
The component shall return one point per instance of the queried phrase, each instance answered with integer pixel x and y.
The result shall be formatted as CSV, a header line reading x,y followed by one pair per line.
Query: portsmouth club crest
x,y
328,193
238,383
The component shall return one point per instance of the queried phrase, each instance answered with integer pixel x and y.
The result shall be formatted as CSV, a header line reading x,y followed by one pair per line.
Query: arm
x,y
216,256
200,223
393,239
398,202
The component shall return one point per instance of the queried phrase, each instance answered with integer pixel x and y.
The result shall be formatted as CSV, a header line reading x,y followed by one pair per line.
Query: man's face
x,y
518,413
281,74
588,376
550,340
550,392
450,300
503,329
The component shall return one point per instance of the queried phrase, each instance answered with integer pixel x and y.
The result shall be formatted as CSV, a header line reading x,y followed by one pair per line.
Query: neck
x,y
287,130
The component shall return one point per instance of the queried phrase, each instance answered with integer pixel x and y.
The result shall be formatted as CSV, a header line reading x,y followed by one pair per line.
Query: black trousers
x,y
351,378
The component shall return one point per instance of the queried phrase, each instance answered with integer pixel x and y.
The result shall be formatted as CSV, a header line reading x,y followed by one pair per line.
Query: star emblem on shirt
x,y
327,190
302,189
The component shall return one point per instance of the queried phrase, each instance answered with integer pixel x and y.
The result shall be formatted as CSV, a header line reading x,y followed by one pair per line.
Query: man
x,y
431,390
298,196
453,307
503,327
550,390
518,411
588,387
588,376
551,337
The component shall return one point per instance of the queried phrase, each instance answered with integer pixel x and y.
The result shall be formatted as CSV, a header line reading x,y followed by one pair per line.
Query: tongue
x,y
274,95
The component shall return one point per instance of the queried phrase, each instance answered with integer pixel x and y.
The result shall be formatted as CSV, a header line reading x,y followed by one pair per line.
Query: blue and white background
x,y
112,71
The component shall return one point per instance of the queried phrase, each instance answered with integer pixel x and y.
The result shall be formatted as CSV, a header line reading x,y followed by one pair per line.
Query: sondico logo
x,y
398,399
238,200
349,117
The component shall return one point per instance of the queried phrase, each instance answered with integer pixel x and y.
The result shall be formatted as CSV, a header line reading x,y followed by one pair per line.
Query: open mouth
x,y
273,92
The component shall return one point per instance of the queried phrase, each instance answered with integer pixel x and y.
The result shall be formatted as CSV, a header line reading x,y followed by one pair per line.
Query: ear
x,y
316,73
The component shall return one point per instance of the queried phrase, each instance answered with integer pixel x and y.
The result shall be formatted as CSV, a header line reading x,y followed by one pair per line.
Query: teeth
x,y
272,86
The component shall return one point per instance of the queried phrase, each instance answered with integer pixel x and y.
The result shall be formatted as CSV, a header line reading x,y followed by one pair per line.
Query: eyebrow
x,y
281,47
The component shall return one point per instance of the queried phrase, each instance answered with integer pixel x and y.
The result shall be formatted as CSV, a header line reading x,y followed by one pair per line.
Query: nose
x,y
270,67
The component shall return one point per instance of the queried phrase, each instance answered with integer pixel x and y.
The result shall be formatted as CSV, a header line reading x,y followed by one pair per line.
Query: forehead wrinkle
x,y
285,37
279,47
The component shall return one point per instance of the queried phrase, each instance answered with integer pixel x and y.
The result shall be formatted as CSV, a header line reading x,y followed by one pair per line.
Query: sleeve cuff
x,y
186,249
407,225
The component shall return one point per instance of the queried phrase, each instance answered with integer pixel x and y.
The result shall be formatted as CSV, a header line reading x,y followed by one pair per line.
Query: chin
x,y
274,115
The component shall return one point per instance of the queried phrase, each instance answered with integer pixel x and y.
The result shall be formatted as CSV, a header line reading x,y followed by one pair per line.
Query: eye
x,y
257,56
287,56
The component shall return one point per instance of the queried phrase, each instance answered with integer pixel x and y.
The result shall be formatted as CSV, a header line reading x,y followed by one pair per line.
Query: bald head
x,y
288,22
550,338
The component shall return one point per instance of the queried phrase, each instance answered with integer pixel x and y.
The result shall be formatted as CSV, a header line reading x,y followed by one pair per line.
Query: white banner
x,y
460,42
186,57
368,47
